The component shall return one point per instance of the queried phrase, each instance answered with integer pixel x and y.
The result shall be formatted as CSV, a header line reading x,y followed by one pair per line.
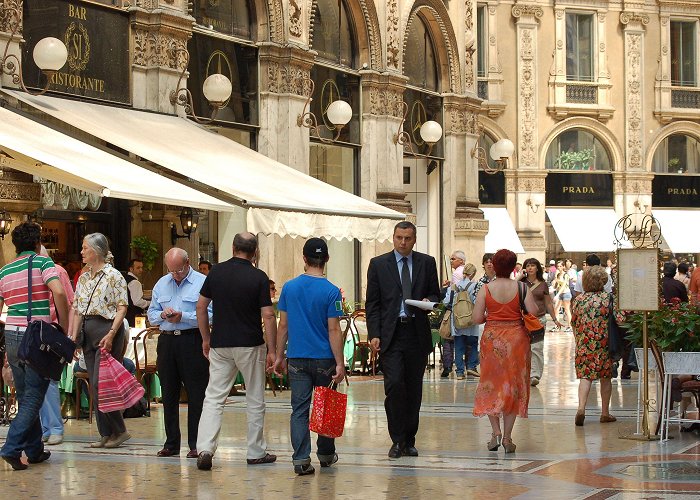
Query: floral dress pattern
x,y
589,319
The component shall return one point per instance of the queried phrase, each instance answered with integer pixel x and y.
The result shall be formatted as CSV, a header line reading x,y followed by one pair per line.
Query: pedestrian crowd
x,y
216,321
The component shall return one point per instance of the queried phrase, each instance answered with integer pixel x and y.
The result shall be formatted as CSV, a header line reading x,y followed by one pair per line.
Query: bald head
x,y
177,261
245,245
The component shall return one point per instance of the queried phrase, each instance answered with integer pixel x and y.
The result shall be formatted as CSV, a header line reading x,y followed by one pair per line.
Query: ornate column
x,y
8,20
527,19
633,27
632,192
158,29
522,186
464,224
525,179
284,74
19,195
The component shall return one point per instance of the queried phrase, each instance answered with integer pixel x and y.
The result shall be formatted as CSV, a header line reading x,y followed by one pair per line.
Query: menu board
x,y
638,279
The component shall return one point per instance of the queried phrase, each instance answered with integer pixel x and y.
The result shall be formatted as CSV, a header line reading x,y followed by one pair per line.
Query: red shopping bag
x,y
328,412
117,389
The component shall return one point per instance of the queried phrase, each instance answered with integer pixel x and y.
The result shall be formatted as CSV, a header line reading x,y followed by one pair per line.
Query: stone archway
x,y
437,20
366,23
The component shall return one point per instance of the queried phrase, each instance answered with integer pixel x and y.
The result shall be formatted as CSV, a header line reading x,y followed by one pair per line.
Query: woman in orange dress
x,y
504,386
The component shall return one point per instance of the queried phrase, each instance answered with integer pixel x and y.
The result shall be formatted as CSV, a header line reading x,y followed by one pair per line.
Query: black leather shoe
x,y
410,451
43,457
395,451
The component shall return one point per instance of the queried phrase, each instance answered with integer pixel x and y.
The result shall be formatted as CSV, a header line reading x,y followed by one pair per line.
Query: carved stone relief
x,y
634,25
528,104
386,102
392,28
469,53
152,48
295,25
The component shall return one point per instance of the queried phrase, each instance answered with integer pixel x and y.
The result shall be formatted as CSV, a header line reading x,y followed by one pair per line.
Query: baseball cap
x,y
316,247
552,261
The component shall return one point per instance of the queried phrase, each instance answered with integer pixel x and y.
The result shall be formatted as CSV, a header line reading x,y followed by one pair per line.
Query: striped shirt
x,y
14,284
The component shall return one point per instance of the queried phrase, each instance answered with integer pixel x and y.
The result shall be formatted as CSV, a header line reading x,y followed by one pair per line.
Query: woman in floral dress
x,y
590,313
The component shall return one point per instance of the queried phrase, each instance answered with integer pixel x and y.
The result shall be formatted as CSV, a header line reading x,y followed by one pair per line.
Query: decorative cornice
x,y
628,17
524,10
395,200
285,69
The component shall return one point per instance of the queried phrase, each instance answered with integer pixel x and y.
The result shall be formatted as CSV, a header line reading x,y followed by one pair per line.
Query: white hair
x,y
460,255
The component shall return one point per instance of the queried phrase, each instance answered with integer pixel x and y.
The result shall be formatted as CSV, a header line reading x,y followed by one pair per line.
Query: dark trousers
x,y
403,364
181,362
110,423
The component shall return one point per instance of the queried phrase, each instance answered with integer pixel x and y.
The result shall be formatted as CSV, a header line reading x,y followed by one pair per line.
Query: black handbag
x,y
616,340
45,346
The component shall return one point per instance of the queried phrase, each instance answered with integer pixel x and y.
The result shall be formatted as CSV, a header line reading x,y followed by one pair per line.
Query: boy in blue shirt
x,y
310,306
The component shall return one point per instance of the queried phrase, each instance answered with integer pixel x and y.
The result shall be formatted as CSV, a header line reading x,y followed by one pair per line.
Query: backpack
x,y
462,308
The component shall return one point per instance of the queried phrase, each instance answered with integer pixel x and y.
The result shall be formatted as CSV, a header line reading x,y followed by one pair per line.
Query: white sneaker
x,y
55,439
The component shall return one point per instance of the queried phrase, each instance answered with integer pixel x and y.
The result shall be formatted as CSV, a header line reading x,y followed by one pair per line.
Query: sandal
x,y
580,416
495,442
605,419
508,445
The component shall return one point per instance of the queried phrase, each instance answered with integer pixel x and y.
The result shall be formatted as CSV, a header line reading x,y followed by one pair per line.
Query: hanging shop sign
x,y
238,63
579,190
97,39
676,191
492,188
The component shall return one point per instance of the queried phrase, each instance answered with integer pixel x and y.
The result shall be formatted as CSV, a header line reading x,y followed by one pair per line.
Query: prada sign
x,y
676,191
492,188
97,39
579,190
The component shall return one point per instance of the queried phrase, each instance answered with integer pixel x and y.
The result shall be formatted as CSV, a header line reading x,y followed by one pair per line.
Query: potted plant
x,y
145,249
673,164
675,327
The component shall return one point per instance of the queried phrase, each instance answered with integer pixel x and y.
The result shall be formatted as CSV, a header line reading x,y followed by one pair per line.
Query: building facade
x,y
602,101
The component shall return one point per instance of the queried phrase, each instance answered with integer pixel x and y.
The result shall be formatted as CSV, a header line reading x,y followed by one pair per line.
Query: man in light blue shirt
x,y
180,358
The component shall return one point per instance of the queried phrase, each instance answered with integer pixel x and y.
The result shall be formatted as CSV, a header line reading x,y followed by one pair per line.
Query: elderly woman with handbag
x,y
590,318
99,309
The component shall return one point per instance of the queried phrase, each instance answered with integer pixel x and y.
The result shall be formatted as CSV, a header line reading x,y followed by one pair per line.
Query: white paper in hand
x,y
420,304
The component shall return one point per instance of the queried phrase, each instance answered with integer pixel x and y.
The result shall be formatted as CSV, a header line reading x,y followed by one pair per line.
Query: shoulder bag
x,y
532,323
445,329
45,346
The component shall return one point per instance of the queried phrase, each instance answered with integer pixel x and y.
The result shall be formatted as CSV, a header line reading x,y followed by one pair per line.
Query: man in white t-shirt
x,y
591,260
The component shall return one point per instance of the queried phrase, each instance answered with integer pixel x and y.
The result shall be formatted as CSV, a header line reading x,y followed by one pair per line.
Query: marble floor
x,y
554,459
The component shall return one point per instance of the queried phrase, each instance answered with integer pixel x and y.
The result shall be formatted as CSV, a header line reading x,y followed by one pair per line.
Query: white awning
x,y
39,150
585,229
680,229
229,171
501,233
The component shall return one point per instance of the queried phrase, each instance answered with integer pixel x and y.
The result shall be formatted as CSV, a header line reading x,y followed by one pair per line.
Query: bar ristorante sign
x,y
577,189
97,42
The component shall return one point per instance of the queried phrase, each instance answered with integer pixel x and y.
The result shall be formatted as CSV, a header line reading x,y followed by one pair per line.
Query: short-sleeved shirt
x,y
110,292
14,280
238,291
309,301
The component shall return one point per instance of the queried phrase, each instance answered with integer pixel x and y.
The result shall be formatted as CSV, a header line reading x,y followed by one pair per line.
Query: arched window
x,y
678,154
420,64
577,149
232,17
333,37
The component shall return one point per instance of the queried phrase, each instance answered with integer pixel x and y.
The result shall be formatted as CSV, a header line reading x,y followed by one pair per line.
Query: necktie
x,y
405,283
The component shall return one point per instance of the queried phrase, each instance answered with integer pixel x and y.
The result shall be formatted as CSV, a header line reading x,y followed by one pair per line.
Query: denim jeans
x,y
50,413
462,344
304,375
30,387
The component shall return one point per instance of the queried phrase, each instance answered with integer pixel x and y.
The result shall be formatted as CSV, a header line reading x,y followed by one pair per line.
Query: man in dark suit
x,y
401,332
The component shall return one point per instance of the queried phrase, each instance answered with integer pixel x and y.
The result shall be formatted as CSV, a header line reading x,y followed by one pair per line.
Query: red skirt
x,y
504,385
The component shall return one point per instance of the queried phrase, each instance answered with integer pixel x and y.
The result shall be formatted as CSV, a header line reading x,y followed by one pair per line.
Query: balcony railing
x,y
581,93
685,98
